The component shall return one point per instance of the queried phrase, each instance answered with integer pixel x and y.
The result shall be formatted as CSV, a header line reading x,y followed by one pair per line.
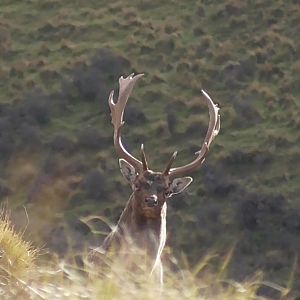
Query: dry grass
x,y
54,278
62,280
17,257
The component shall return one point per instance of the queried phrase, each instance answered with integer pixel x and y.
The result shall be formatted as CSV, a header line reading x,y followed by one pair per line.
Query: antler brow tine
x,y
144,160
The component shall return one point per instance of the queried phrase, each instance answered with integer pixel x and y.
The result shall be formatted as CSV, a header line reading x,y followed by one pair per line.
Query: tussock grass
x,y
75,277
62,280
17,257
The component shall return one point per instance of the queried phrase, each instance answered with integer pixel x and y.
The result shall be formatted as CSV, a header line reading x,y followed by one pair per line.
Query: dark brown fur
x,y
140,227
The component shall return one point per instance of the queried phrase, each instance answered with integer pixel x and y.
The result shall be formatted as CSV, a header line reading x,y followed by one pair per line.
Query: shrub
x,y
197,127
33,109
36,105
94,184
246,112
291,222
29,135
258,211
91,138
198,31
172,122
166,45
257,158
91,82
134,115
205,43
217,181
7,143
239,70
61,143
150,96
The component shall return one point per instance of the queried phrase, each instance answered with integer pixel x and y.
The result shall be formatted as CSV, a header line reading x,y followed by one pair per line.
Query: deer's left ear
x,y
180,184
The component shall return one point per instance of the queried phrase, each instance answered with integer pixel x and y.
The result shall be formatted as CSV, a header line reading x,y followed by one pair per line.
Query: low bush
x,y
61,143
94,184
92,81
91,138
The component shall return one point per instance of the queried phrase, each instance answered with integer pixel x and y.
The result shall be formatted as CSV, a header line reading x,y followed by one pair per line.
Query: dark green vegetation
x,y
60,59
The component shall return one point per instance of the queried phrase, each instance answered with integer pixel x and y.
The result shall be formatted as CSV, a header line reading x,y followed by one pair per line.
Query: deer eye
x,y
167,193
136,186
160,189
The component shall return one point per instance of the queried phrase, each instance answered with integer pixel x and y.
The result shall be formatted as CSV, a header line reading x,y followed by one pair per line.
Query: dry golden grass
x,y
66,281
17,256
54,278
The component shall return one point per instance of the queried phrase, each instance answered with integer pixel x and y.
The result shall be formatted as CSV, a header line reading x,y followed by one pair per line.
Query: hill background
x,y
60,59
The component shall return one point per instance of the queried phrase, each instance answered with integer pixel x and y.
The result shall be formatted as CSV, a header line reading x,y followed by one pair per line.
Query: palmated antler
x,y
117,111
212,132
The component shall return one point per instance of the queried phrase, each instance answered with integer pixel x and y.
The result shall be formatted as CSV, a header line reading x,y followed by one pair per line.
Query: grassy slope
x,y
244,55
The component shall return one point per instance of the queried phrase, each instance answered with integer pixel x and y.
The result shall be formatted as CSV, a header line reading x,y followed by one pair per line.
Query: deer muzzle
x,y
151,201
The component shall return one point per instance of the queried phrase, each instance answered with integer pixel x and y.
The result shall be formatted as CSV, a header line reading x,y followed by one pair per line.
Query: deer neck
x,y
146,233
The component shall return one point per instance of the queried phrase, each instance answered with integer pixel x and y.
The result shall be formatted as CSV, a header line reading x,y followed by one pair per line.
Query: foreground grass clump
x,y
17,257
62,280
22,277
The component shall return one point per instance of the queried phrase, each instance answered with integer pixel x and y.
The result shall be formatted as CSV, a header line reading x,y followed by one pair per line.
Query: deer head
x,y
152,189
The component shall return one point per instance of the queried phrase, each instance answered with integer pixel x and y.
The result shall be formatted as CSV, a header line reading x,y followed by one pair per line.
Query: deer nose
x,y
151,201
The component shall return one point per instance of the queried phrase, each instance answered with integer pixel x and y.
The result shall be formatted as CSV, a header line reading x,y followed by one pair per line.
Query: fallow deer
x,y
142,224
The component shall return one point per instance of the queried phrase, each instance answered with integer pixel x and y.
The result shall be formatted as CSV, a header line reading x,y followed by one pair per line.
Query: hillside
x,y
60,59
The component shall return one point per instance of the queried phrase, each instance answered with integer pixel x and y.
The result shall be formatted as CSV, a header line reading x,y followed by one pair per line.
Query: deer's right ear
x,y
127,170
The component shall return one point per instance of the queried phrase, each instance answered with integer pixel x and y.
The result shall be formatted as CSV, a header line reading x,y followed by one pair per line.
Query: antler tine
x,y
212,132
117,111
144,160
167,169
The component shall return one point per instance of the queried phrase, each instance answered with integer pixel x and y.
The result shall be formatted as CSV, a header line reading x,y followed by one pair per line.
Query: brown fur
x,y
140,227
